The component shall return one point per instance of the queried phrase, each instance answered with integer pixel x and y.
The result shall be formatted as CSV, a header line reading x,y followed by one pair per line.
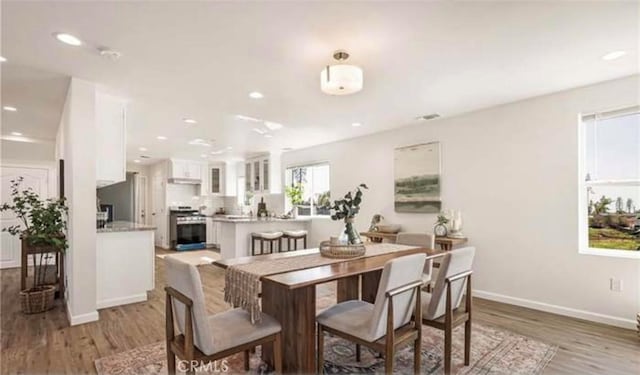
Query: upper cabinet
x,y
259,175
111,131
185,169
216,179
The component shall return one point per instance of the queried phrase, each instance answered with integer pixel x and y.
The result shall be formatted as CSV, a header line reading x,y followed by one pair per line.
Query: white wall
x,y
513,171
78,126
28,151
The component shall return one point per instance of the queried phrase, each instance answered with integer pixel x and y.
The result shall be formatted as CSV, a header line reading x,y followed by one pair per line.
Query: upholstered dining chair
x,y
386,324
440,308
425,240
209,338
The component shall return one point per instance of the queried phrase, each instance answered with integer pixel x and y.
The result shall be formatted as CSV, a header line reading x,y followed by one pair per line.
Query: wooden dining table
x,y
290,298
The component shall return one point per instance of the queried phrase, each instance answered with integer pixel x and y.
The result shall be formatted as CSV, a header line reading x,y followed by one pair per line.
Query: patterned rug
x,y
493,351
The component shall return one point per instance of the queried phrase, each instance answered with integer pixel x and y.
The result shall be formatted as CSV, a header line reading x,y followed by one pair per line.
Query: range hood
x,y
185,181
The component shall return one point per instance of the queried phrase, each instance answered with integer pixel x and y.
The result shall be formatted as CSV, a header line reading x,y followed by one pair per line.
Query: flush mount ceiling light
x,y
341,79
189,121
136,161
613,55
273,125
2,59
356,124
9,108
256,95
16,134
199,142
247,118
142,149
161,138
68,39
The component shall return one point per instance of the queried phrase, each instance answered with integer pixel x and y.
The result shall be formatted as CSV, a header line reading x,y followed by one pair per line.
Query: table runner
x,y
242,282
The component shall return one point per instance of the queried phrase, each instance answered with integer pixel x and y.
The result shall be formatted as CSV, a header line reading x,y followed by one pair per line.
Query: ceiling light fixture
x,y
203,155
9,108
256,95
189,121
259,131
199,142
161,138
136,161
142,149
217,152
273,125
3,59
68,39
356,124
613,55
341,79
16,133
247,118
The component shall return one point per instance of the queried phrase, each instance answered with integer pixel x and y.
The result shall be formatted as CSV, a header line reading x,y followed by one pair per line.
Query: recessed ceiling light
x,y
142,149
356,124
217,152
273,125
256,95
136,161
162,137
247,118
199,142
189,121
259,131
16,133
9,108
268,136
614,55
203,155
3,59
68,39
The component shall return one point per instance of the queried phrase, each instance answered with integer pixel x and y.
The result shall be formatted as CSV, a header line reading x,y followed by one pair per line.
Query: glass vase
x,y
350,235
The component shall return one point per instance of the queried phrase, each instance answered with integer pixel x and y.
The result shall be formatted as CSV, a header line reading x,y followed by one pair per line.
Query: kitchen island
x,y
235,233
125,262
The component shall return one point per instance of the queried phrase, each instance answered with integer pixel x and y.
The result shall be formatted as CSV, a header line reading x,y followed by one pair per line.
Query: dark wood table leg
x,y
295,309
370,282
348,288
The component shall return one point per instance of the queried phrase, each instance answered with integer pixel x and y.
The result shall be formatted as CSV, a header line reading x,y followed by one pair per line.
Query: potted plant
x,y
42,227
346,209
294,193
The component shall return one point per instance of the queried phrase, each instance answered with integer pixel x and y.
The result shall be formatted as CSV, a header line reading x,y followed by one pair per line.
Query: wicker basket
x,y
341,251
37,301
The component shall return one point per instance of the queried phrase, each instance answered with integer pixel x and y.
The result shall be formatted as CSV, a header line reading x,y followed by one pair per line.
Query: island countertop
x,y
124,226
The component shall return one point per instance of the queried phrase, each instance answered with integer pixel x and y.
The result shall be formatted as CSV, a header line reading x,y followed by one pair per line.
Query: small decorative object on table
x,y
440,229
349,244
42,227
375,220
456,226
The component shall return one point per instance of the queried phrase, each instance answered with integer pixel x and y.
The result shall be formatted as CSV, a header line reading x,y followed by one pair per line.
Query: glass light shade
x,y
341,79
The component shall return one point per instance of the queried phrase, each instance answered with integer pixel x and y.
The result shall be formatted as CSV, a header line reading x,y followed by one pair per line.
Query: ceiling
x,y
201,59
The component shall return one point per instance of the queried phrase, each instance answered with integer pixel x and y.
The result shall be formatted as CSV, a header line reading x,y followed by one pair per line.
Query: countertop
x,y
124,226
255,220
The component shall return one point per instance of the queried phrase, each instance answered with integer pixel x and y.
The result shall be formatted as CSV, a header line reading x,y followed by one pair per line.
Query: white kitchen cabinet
x,y
213,232
259,174
111,131
185,169
216,177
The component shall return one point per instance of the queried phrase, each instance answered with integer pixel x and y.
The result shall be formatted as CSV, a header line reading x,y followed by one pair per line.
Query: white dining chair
x,y
426,240
440,308
206,338
386,324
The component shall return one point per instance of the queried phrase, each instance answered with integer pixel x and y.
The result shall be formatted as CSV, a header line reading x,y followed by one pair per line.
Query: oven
x,y
188,229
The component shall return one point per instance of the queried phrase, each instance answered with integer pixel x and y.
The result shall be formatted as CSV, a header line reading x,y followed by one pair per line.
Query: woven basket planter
x,y
39,300
341,251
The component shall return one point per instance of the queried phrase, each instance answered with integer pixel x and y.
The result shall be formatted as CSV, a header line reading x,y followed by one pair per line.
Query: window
x,y
313,180
610,183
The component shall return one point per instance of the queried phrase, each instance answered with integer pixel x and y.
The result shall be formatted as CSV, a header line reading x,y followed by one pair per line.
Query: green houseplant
x,y
294,193
41,230
346,209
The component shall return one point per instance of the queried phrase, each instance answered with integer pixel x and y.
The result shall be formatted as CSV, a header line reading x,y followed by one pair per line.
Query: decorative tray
x,y
341,251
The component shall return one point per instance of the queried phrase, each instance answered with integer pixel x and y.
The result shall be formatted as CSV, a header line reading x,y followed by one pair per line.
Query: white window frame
x,y
287,203
583,198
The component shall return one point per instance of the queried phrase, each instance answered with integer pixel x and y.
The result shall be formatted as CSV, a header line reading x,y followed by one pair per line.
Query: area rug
x,y
197,257
493,351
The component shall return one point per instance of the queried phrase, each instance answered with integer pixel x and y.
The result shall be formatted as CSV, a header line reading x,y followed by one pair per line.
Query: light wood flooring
x,y
45,343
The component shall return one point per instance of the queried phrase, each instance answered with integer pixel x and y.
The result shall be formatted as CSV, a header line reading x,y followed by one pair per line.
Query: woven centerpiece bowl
x,y
341,251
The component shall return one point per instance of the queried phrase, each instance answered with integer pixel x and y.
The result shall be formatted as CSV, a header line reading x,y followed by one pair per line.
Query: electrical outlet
x,y
615,285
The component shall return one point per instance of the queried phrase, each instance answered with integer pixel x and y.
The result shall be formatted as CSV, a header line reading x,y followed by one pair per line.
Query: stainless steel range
x,y
188,228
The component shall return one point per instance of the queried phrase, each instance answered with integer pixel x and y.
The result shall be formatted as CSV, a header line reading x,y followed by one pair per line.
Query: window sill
x,y
612,253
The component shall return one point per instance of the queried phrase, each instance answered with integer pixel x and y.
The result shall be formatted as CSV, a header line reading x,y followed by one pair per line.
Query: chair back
x,y
453,263
425,240
397,272
185,278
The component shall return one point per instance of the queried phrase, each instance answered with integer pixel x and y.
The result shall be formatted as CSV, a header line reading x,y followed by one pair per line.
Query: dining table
x,y
290,297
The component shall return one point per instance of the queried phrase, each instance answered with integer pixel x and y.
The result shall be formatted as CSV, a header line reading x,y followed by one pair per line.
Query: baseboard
x,y
560,310
122,301
75,320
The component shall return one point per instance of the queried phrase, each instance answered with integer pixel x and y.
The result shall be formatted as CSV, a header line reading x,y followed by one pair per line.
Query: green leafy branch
x,y
349,206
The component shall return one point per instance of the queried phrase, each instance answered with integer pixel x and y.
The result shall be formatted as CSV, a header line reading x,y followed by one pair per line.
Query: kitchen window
x,y
313,180
610,183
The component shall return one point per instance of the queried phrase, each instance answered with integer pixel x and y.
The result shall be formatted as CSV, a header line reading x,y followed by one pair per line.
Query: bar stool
x,y
270,237
295,235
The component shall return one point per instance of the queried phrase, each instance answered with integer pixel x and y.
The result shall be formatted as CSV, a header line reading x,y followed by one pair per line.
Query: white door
x,y
141,198
157,207
38,179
